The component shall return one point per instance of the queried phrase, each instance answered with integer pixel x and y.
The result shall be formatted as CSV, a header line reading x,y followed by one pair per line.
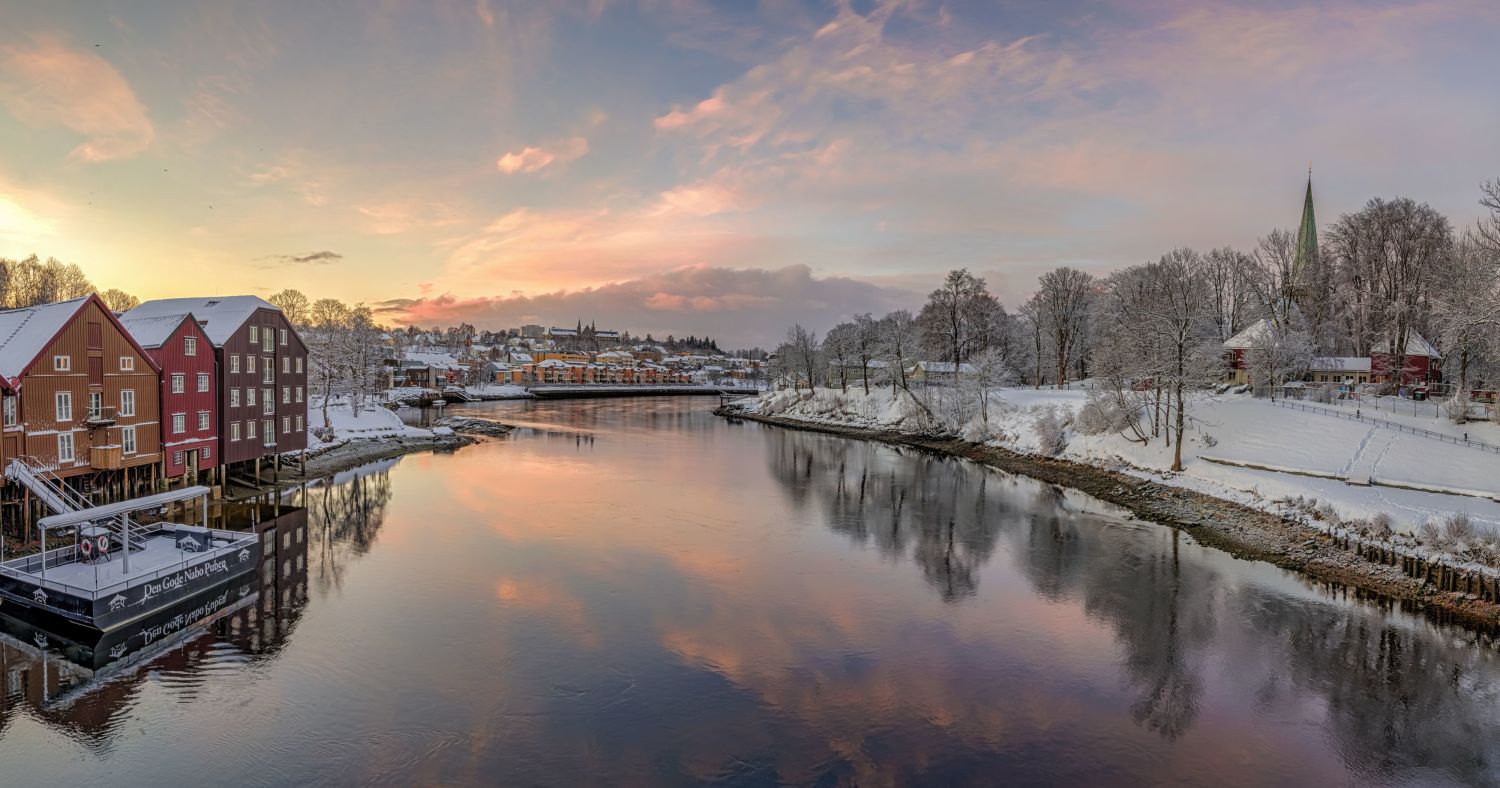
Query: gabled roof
x,y
153,331
1250,336
26,333
1416,345
220,316
1340,364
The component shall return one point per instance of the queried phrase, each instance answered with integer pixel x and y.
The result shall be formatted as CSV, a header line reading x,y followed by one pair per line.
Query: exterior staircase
x,y
62,499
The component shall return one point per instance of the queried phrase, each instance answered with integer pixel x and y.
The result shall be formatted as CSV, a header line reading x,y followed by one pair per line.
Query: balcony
x,y
106,458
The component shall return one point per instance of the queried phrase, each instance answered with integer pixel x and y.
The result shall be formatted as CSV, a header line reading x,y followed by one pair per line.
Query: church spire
x,y
1307,236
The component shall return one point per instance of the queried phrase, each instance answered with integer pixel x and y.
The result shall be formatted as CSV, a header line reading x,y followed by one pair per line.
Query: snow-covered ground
x,y
374,422
1297,453
483,390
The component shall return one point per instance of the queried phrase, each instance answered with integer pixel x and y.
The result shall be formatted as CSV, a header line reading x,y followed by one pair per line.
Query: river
x,y
638,592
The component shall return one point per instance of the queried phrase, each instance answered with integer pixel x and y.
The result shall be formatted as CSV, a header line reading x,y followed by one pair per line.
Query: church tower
x,y
1305,262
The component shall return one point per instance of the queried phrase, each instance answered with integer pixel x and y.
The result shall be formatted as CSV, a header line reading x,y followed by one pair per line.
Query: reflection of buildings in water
x,y
343,520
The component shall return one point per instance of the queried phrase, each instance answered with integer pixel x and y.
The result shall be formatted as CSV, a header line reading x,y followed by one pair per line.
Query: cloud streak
x,y
535,159
311,258
45,82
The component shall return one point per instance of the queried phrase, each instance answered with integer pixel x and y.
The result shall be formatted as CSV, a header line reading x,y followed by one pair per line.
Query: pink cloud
x,y
534,159
46,82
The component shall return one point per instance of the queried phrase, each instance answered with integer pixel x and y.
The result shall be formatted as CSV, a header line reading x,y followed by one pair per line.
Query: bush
x,y
1051,431
1459,528
1102,413
1382,526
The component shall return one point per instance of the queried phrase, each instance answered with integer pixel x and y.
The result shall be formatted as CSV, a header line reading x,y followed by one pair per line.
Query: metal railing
x,y
24,569
1407,428
41,479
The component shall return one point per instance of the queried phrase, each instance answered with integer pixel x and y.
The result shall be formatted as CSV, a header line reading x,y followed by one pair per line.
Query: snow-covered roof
x,y
1340,364
220,316
944,367
152,331
26,332
1250,337
521,358
1416,345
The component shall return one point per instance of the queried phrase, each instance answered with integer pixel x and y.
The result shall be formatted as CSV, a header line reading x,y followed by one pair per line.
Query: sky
x,y
721,168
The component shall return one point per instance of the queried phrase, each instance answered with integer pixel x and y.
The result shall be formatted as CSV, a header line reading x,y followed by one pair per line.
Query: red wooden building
x,y
1423,362
189,391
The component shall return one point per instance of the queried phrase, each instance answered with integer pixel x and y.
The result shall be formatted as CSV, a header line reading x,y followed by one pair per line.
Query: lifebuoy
x,y
103,545
87,547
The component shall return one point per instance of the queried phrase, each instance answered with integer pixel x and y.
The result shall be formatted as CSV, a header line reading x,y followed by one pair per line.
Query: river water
x,y
638,592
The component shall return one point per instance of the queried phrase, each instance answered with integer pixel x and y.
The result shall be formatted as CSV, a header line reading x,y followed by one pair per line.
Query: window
x,y
176,458
286,395
268,432
127,439
250,363
203,381
62,363
10,411
250,429
299,422
127,402
283,336
202,421
234,398
250,397
299,365
64,447
127,363
234,363
204,455
234,431
286,425
270,371
299,393
286,364
270,338
179,423
268,402
254,335
189,346
179,381
64,405
96,404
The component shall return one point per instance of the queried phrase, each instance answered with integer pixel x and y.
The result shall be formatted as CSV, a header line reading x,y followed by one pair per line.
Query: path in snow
x,y
1372,449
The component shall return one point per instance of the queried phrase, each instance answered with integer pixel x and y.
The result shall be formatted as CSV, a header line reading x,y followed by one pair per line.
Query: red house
x,y
189,390
1423,362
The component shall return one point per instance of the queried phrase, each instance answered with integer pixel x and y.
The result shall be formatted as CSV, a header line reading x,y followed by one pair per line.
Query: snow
x,y
26,332
1296,452
221,316
152,331
373,423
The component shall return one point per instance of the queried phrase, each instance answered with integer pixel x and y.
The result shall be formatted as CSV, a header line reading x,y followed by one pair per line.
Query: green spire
x,y
1307,235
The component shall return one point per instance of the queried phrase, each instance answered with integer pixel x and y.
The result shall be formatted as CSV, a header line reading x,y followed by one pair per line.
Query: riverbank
x,y
1440,590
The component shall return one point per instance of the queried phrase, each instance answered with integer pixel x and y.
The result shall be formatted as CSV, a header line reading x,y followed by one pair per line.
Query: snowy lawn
x,y
373,423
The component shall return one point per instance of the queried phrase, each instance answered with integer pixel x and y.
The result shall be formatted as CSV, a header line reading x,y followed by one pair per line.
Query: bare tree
x,y
839,346
1063,306
959,318
1489,227
292,303
1466,309
118,300
1228,273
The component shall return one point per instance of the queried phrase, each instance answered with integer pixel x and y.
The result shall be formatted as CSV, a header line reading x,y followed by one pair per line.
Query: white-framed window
x,y
127,439
299,365
179,423
299,422
64,447
250,429
10,410
254,335
179,382
127,402
204,455
96,404
286,395
64,405
234,398
268,402
127,363
250,396
283,336
234,362
286,365
189,346
286,425
269,368
62,363
234,431
203,381
202,421
268,432
250,363
176,458
299,393
270,338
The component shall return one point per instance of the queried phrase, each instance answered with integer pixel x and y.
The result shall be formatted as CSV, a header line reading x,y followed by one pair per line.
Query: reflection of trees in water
x,y
1396,697
343,520
935,508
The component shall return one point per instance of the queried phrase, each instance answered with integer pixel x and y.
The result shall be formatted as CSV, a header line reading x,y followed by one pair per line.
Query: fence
x,y
1437,405
1399,427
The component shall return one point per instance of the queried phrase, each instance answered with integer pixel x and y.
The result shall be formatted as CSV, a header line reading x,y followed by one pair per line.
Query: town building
x,y
1423,362
262,373
188,391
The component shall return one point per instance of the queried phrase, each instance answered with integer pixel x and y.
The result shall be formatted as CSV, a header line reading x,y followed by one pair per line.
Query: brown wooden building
x,y
261,373
82,398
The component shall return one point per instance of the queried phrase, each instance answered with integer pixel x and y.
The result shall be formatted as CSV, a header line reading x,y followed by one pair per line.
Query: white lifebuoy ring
x,y
87,546
103,545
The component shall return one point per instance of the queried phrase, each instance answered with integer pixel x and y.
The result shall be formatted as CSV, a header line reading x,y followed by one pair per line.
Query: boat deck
x,y
160,553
